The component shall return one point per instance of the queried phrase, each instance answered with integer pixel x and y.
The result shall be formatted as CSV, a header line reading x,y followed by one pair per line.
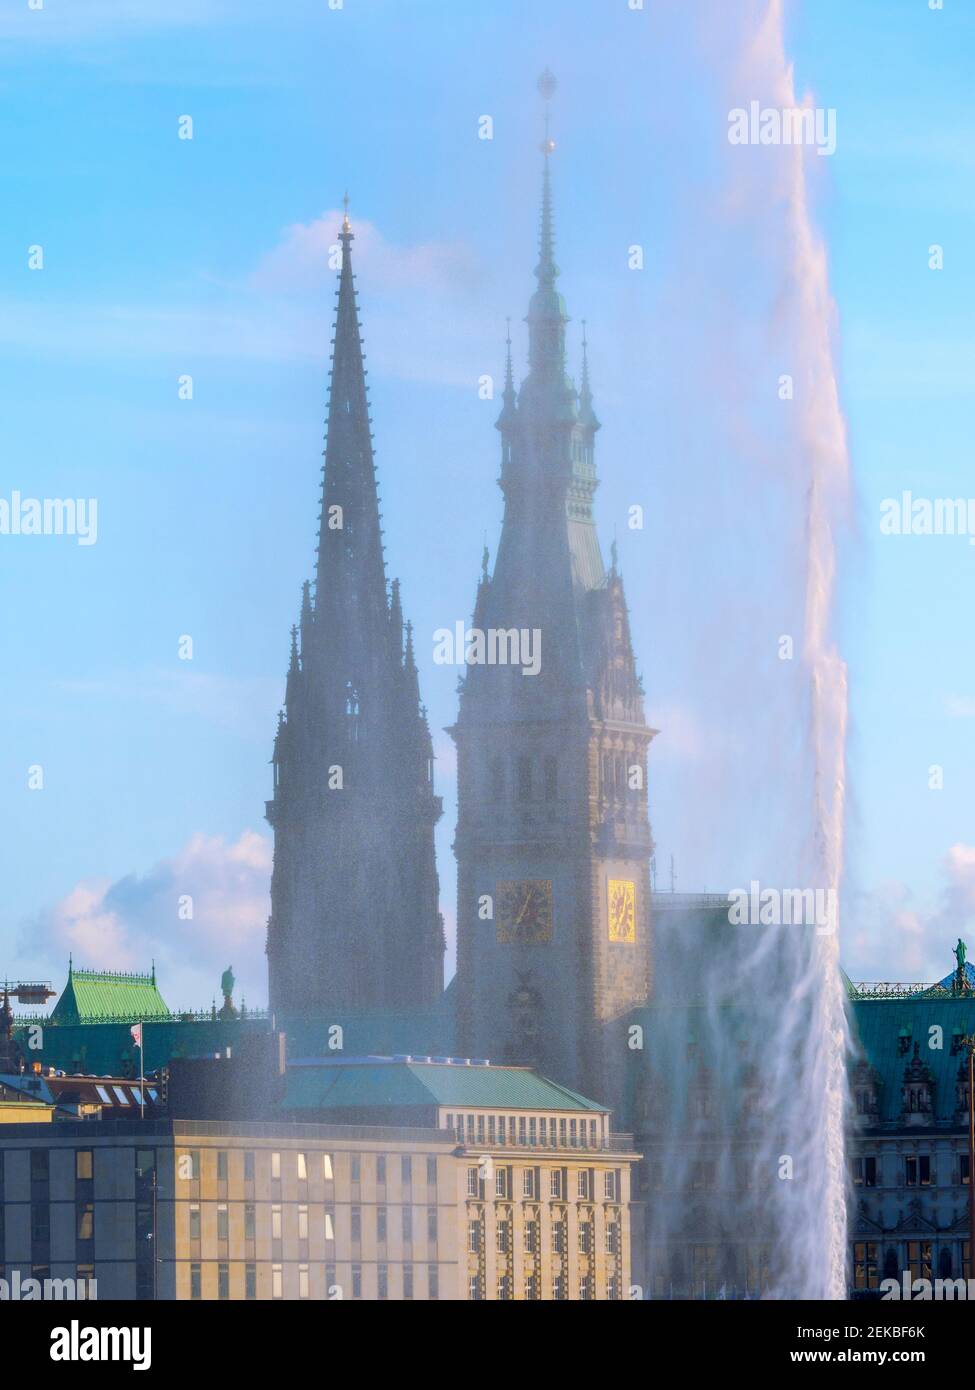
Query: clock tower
x,y
553,838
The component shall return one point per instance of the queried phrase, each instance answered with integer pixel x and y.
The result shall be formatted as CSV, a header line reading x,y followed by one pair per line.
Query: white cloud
x,y
122,925
889,936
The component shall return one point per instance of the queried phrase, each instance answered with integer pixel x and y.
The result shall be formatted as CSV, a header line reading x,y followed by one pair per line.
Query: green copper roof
x,y
93,996
386,1081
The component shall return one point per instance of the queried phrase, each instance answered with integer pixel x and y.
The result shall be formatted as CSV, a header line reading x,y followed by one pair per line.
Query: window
x,y
223,1222
380,1223
963,1169
533,1132
250,1281
480,1129
189,1166
356,1223
474,1287
431,1172
406,1168
194,1281
531,1288
302,1223
277,1282
329,1226
302,1168
504,1287
194,1221
558,1287
558,1237
501,1182
555,1183
531,1237
302,1281
249,1221
38,1165
865,1172
221,1165
584,1186
223,1281
120,1095
529,1188
407,1281
431,1224
276,1170
357,1281
502,1237
864,1265
612,1238
84,1165
356,1168
381,1168
919,1259
472,1186
248,1167
917,1171
521,1129
585,1289
610,1187
103,1095
275,1223
407,1223
86,1221
382,1290
585,1237
433,1282
474,1237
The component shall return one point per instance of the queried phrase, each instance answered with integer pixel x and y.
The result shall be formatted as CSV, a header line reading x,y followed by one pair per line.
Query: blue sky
x,y
165,257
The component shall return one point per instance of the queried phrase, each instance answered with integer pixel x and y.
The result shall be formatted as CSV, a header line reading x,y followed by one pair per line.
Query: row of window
x,y
871,1262
307,1166
545,1131
504,1237
916,1171
558,1183
333,1289
560,1288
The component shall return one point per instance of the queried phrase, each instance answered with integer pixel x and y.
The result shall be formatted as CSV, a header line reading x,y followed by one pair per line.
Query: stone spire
x,y
354,913
350,589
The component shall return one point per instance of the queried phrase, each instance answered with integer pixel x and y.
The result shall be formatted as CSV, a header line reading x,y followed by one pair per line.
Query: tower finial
x,y
587,416
346,224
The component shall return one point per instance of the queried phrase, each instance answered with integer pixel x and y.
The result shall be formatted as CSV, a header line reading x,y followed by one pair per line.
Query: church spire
x,y
351,575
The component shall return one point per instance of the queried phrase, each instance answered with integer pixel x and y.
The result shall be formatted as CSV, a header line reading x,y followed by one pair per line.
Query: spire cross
x,y
346,224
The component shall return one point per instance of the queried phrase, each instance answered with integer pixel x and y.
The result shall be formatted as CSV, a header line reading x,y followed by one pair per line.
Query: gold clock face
x,y
622,910
524,912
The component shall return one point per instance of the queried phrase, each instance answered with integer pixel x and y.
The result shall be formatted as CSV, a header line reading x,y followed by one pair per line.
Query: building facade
x,y
355,920
510,1200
